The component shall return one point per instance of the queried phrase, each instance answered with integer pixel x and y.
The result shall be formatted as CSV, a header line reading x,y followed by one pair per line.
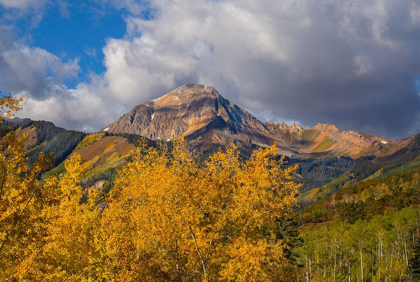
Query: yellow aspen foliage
x,y
22,222
70,252
8,104
170,218
21,202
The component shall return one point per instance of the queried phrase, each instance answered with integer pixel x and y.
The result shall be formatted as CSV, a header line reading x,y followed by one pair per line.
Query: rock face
x,y
208,120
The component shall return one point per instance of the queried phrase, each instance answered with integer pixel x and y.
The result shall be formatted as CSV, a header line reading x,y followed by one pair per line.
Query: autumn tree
x,y
171,218
22,222
415,261
8,105
71,248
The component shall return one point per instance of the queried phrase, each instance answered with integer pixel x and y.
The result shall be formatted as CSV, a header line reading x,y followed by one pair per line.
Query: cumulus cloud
x,y
22,4
352,63
38,76
24,68
29,11
134,7
34,69
81,108
142,68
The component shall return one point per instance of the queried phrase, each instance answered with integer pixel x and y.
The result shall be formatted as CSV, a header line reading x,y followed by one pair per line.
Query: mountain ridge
x,y
207,119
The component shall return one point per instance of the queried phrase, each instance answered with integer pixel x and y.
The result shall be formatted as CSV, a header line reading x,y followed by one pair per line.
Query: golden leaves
x,y
168,217
21,201
191,217
8,104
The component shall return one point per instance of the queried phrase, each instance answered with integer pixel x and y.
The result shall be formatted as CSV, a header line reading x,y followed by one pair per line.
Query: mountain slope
x,y
207,119
369,169
102,153
43,137
201,114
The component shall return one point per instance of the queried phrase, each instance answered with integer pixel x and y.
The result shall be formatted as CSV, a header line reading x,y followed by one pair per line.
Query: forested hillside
x,y
379,248
367,199
44,137
368,231
365,168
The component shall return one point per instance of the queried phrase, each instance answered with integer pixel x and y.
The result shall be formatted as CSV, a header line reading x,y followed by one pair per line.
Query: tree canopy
x,y
169,217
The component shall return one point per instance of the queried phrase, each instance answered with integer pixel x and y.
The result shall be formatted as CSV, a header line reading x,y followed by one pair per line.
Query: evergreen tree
x,y
415,261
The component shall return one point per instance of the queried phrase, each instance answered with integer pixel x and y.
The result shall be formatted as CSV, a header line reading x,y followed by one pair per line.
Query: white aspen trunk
x,y
406,253
307,269
349,272
335,262
361,263
380,256
310,268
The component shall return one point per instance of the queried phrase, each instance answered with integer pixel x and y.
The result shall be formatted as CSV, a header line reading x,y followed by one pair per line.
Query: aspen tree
x,y
172,218
22,222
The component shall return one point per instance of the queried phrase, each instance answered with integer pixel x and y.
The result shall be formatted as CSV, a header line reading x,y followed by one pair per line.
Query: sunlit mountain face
x,y
207,119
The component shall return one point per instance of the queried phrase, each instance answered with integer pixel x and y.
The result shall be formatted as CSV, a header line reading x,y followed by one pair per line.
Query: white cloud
x,y
81,108
35,69
363,65
352,63
140,69
299,59
38,75
415,13
306,22
22,4
135,7
91,52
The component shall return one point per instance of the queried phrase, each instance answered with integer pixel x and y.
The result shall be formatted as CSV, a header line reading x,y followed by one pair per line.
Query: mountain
x,y
360,170
102,153
208,121
201,114
43,137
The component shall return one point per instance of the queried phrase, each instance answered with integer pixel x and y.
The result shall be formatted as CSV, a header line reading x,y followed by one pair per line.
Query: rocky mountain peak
x,y
207,119
297,128
185,94
184,110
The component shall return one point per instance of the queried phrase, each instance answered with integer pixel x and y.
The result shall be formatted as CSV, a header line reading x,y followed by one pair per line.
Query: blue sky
x,y
80,31
81,64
